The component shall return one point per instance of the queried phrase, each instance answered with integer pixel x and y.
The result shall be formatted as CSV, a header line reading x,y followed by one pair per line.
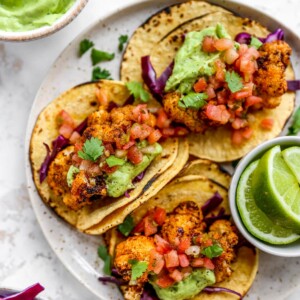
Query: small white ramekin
x,y
290,250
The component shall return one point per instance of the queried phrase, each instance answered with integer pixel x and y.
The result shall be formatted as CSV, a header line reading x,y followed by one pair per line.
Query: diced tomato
x,y
141,132
243,93
222,96
183,260
76,159
217,113
159,215
156,262
171,259
239,123
139,228
208,44
176,275
208,264
223,44
74,137
140,113
230,56
166,132
210,92
236,137
197,262
243,49
247,133
102,97
108,147
65,118
253,100
107,169
150,227
78,146
181,131
267,123
134,155
220,70
65,130
162,120
85,165
164,281
186,271
127,145
184,244
208,243
94,170
154,136
200,85
214,82
162,246
252,53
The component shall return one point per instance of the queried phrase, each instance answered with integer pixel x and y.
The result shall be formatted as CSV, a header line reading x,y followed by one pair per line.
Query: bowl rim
x,y
278,250
44,31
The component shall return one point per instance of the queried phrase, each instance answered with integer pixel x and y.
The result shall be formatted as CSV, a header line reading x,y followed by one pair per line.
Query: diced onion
x,y
193,250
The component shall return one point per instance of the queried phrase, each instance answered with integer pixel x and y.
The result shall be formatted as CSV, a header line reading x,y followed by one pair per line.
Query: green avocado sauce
x,y
26,15
187,288
120,181
191,62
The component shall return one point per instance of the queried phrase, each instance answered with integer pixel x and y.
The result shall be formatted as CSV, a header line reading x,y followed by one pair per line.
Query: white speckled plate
x,y
276,278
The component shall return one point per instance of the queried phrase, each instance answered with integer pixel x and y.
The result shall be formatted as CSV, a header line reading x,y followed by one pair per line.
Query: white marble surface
x,y
25,256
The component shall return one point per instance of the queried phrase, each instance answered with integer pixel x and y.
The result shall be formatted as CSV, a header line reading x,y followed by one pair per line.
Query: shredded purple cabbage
x,y
139,177
111,279
81,127
217,289
220,216
28,294
127,195
155,85
211,203
149,293
293,85
245,37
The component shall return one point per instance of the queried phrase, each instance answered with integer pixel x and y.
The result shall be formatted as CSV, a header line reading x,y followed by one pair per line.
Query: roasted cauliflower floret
x,y
189,117
224,233
183,222
269,79
98,117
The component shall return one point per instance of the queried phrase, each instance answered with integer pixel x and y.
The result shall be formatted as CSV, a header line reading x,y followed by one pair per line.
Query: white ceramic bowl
x,y
290,250
45,30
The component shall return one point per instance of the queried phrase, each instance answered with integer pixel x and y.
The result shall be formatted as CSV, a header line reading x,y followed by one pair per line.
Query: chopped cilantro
x,y
138,268
126,227
103,254
295,127
99,56
255,42
99,73
84,46
193,100
122,40
92,149
234,81
136,89
115,161
212,251
70,176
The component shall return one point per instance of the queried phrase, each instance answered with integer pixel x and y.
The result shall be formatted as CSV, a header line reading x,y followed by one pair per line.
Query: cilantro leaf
x,y
92,149
103,254
99,56
136,89
122,40
99,73
255,42
126,227
234,81
84,46
70,175
295,127
138,268
114,161
193,100
212,251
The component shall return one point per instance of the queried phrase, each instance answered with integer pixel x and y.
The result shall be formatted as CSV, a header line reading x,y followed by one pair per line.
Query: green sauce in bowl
x,y
26,15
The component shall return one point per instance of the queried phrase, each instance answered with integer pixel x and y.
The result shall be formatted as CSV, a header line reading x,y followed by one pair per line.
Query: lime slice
x,y
276,190
292,158
256,222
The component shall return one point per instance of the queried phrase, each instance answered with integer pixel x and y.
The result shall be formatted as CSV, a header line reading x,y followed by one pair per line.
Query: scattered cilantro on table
x,y
255,42
138,268
126,227
295,127
99,73
122,40
136,89
99,56
103,254
212,251
84,46
234,81
114,161
193,100
92,149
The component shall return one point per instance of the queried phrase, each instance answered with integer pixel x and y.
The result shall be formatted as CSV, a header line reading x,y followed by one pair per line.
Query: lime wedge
x,y
256,222
292,158
276,190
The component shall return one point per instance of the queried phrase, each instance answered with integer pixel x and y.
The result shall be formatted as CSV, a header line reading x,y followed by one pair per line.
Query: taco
x,y
184,245
104,155
231,95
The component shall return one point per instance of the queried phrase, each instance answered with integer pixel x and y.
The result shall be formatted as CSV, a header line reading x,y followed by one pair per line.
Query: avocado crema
x,y
120,181
191,62
187,288
26,15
